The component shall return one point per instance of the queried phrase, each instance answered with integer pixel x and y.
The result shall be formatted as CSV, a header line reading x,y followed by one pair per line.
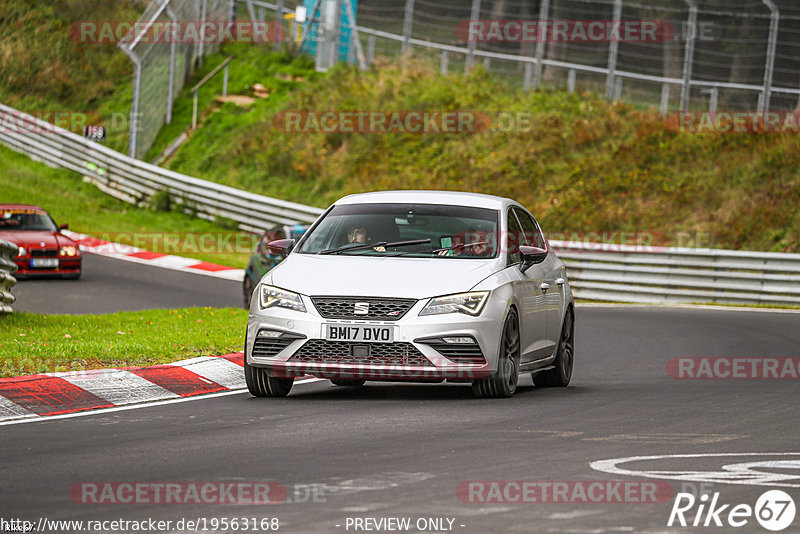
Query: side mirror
x,y
281,247
531,256
64,227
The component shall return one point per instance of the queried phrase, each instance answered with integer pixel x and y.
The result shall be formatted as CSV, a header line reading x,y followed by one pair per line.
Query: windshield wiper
x,y
382,244
459,246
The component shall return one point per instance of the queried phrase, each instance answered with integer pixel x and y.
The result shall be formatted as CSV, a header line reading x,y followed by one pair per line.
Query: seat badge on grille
x,y
361,308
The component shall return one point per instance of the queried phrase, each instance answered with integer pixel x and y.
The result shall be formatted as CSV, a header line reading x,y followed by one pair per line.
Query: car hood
x,y
366,276
34,239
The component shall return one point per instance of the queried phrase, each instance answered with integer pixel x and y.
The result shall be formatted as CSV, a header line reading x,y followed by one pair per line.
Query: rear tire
x,y
561,374
348,382
260,384
503,383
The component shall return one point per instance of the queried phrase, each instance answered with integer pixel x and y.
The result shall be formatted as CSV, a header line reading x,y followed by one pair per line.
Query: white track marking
x,y
103,411
736,473
117,386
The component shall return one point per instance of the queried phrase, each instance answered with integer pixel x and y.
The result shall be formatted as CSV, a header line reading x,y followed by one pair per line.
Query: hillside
x,y
580,164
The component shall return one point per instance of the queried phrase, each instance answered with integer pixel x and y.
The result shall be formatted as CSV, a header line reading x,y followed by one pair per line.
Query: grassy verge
x,y
33,343
87,210
580,164
47,69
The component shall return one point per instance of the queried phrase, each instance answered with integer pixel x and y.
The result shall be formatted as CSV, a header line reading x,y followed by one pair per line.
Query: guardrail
x,y
664,275
8,251
597,272
135,181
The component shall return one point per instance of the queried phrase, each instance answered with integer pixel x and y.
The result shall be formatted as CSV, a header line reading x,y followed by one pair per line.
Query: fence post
x,y
473,16
571,80
407,21
774,19
171,82
443,62
544,13
712,100
613,50
664,107
278,25
135,97
203,15
528,71
370,49
688,54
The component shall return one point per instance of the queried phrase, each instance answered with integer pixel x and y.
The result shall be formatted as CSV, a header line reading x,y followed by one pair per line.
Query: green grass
x,y
34,343
45,69
582,165
87,210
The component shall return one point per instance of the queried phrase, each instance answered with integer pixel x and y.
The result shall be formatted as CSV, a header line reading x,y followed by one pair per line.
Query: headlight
x,y
21,252
469,303
68,251
275,297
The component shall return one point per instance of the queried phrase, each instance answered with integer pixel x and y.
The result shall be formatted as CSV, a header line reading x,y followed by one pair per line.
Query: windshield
x,y
26,220
410,230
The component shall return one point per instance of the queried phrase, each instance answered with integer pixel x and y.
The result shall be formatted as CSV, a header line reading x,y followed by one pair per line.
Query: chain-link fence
x,y
703,54
162,62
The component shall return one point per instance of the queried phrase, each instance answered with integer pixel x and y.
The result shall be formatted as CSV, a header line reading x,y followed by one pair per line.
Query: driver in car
x,y
357,234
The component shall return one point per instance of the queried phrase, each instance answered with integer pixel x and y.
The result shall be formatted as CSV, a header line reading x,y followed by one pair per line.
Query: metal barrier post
x,y
613,51
688,57
407,21
769,68
544,13
278,25
474,14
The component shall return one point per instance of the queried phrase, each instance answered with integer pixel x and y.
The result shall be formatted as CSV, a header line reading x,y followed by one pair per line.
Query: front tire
x,y
260,384
503,383
561,374
247,290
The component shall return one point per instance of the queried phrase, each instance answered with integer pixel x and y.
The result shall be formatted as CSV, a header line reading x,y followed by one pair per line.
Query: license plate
x,y
359,332
44,262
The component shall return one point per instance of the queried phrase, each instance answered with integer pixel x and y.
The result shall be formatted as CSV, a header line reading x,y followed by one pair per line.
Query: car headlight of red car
x,y
21,252
68,251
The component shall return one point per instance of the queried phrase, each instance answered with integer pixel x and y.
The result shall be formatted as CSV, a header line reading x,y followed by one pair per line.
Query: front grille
x,y
380,354
458,352
267,347
379,309
44,253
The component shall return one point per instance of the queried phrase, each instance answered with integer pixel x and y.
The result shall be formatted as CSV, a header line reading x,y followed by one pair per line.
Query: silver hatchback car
x,y
421,286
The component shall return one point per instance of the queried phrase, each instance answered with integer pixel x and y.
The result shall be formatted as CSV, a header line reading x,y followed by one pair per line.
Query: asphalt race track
x,y
109,285
402,450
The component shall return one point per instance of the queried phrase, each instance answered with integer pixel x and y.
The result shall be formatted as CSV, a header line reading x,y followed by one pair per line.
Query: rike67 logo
x,y
774,510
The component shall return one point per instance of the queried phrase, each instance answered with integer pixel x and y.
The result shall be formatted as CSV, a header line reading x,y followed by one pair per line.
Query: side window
x,y
531,230
515,238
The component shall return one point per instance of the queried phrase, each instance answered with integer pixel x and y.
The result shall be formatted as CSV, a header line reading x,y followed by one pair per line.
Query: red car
x,y
43,249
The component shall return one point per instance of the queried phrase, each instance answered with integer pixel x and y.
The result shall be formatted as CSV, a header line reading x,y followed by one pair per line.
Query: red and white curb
x,y
50,394
93,245
34,397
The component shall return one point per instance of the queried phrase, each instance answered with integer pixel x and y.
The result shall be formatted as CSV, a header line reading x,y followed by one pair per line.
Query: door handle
x,y
560,281
544,287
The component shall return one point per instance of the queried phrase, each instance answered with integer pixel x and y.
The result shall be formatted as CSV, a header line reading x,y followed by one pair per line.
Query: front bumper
x,y
412,356
68,266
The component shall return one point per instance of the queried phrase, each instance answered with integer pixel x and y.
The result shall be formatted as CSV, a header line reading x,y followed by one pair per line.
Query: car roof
x,y
21,207
456,198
